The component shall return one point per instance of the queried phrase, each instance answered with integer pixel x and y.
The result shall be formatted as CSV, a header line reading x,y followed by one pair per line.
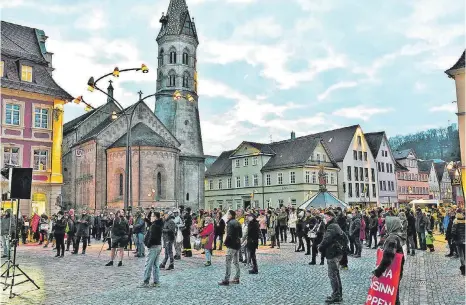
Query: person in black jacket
x,y
82,231
188,222
449,237
154,245
219,230
411,232
310,223
252,242
233,244
300,227
458,235
332,246
318,230
60,226
372,225
119,235
342,222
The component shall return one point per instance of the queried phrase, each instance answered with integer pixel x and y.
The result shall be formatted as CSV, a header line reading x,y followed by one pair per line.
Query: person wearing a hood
x,y
82,232
333,243
354,232
252,242
392,245
8,228
458,235
154,246
168,233
208,235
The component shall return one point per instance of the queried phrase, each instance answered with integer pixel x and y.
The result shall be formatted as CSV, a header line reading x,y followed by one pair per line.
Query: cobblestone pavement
x,y
285,278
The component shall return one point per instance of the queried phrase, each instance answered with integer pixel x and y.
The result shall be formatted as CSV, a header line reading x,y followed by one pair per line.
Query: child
x,y
430,241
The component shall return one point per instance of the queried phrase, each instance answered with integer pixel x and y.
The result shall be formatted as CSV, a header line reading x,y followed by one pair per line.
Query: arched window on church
x,y
160,80
159,186
120,185
171,79
185,80
161,55
187,196
185,57
173,56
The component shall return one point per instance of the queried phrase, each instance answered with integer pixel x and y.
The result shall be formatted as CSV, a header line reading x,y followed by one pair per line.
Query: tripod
x,y
12,263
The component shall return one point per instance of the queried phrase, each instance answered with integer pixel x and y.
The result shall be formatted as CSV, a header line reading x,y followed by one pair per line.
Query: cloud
x,y
93,20
335,87
360,112
419,86
316,5
452,108
258,28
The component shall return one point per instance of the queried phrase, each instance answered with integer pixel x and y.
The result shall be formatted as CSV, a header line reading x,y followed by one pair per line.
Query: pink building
x,y
412,183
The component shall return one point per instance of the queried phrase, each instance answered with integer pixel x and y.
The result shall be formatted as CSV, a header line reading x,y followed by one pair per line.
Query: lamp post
x,y
457,170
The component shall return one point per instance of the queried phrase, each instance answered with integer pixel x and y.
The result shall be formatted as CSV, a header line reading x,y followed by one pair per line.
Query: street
x,y
284,278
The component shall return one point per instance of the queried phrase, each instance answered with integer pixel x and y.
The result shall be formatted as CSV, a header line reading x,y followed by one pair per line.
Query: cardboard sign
x,y
383,290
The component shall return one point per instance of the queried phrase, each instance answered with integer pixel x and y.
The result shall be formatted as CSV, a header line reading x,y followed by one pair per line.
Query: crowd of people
x,y
333,235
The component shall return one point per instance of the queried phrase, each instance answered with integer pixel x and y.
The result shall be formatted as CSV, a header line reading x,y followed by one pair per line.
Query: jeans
x,y
220,237
6,245
60,238
460,249
411,244
70,240
283,233
263,236
334,276
422,240
208,255
168,246
232,255
357,246
373,234
140,243
252,254
152,264
78,240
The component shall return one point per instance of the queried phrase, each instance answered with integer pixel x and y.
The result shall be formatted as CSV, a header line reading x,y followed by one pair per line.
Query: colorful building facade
x,y
412,183
31,116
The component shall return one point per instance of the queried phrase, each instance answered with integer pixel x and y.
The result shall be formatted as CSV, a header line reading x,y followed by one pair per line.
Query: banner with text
x,y
383,290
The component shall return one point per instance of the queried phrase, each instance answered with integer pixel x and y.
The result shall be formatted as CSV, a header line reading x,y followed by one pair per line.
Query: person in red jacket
x,y
208,234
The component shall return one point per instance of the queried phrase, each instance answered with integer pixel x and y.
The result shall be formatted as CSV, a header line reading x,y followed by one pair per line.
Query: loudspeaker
x,y
21,180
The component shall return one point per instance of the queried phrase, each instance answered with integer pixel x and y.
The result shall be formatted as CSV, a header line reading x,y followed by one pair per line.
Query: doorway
x,y
246,204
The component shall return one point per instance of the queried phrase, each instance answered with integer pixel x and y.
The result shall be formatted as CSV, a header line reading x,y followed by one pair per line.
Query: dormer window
x,y
26,73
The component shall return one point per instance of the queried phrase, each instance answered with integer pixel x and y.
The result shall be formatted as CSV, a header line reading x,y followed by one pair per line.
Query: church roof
x,y
142,135
458,65
221,166
25,44
374,140
71,125
177,21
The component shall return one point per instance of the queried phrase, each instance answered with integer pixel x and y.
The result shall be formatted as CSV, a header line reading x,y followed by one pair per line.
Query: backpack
x,y
147,238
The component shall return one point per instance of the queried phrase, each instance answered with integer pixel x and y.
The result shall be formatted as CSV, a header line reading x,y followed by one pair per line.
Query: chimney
x,y
293,135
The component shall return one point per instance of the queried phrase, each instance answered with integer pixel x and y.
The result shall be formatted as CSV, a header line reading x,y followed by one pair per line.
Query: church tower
x,y
176,71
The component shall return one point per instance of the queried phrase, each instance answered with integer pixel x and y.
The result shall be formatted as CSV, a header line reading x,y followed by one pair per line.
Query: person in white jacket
x,y
292,219
179,223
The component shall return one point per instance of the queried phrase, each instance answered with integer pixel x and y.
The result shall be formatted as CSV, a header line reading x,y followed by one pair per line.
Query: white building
x,y
386,176
444,181
427,166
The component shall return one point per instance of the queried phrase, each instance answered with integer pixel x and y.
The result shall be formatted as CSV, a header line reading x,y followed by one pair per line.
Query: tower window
x,y
171,79
185,79
173,56
187,196
185,58
161,55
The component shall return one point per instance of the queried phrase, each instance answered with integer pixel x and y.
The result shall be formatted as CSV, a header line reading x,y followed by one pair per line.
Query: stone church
x,y
167,158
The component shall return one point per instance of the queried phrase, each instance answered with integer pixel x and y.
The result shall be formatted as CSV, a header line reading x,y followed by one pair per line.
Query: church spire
x,y
177,21
110,91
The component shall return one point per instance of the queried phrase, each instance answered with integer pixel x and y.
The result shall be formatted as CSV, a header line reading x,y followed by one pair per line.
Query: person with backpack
x,y
332,245
233,244
153,242
393,244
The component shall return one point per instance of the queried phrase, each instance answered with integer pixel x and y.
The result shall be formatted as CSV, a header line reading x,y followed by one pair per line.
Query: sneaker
x,y
312,263
57,255
162,266
144,285
84,252
171,267
223,283
235,281
120,263
110,263
155,285
344,267
207,264
253,271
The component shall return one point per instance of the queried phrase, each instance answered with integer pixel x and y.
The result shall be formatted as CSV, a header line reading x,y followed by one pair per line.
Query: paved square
x,y
284,278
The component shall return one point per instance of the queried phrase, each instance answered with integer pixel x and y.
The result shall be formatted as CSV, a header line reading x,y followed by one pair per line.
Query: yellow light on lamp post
x,y
91,84
190,98
177,95
78,100
144,68
114,115
88,108
116,72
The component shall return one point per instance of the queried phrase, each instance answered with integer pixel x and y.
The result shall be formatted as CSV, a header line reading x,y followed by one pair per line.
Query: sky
x,y
269,67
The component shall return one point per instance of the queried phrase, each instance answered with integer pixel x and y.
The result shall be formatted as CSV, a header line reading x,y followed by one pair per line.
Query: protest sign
x,y
383,290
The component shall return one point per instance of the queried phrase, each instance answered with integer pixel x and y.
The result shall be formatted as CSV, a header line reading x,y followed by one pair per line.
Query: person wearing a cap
x,y
332,245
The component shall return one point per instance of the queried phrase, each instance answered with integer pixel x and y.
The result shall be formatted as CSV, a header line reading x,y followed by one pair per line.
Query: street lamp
x,y
457,170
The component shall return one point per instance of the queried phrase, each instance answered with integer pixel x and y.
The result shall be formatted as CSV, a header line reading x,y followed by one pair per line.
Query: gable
x,y
319,151
245,149
143,114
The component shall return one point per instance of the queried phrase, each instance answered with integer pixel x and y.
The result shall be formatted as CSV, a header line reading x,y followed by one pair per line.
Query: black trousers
x,y
220,237
351,239
293,234
308,244
263,236
452,246
71,239
315,252
187,245
373,234
252,256
60,243
283,233
300,244
78,240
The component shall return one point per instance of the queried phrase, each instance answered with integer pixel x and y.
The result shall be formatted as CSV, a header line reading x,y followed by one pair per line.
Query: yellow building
x,y
32,116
